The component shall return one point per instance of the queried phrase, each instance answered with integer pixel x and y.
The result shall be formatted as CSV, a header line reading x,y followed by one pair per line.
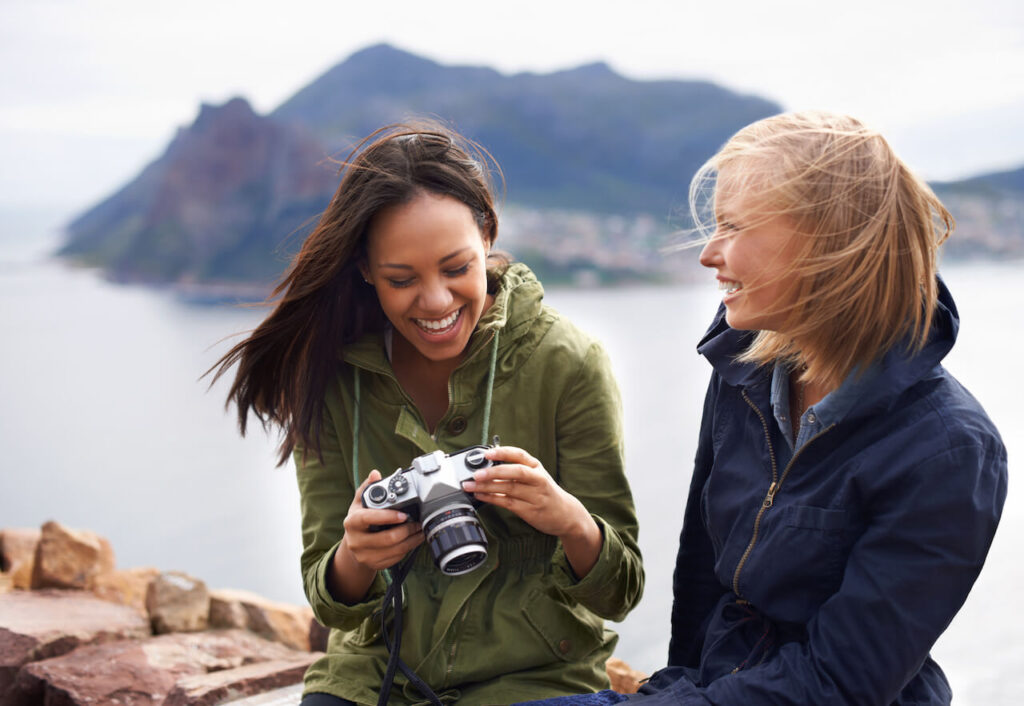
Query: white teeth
x,y
435,325
729,287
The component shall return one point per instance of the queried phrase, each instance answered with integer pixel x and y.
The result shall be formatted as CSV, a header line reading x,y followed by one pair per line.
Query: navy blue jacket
x,y
833,588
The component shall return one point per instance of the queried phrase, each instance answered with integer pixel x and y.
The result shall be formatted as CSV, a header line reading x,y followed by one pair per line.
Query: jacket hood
x,y
518,300
897,370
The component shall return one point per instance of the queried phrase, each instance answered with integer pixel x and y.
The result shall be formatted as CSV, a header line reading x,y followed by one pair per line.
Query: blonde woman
x,y
846,487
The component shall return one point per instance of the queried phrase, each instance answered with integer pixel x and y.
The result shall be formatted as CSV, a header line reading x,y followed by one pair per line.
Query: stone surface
x,y
283,622
624,678
67,558
218,687
18,554
177,602
139,672
127,587
36,625
318,635
287,696
6,584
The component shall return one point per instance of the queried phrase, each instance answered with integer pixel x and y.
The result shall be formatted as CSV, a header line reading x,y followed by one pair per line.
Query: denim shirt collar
x,y
826,412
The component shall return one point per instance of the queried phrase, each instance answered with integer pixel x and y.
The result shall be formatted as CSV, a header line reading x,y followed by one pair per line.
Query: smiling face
x,y
753,252
427,260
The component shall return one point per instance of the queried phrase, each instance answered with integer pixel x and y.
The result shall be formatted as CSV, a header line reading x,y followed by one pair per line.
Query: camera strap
x,y
393,599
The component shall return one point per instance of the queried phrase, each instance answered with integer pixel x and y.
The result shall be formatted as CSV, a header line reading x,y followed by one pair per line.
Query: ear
x,y
364,270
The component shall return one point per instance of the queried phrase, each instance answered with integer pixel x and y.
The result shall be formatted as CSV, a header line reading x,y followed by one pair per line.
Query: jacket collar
x,y
887,378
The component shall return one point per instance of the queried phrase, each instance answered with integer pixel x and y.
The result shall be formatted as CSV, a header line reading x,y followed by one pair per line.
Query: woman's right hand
x,y
363,553
382,549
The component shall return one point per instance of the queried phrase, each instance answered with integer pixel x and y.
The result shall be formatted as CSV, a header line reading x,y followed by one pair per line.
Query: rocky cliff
x,y
223,202
234,193
596,166
75,630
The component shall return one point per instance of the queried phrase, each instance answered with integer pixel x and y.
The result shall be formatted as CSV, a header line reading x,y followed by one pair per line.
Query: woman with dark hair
x,y
846,487
399,332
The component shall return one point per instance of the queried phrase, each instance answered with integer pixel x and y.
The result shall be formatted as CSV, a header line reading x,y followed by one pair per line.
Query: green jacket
x,y
521,626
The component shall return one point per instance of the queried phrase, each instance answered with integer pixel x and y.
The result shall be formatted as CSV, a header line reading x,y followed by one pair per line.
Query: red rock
x,y
18,554
217,687
226,610
139,672
624,678
282,622
318,635
67,558
177,602
36,625
126,587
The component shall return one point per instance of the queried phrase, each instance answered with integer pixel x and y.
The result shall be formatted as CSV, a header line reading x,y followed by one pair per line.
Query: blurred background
x,y
158,165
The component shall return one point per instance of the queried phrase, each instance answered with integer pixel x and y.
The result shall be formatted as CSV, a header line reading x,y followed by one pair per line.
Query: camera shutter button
x,y
377,494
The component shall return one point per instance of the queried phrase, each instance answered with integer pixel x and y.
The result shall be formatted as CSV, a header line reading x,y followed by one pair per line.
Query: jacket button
x,y
564,646
457,425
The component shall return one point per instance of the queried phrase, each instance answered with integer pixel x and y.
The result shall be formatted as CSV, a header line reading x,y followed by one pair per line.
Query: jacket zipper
x,y
773,489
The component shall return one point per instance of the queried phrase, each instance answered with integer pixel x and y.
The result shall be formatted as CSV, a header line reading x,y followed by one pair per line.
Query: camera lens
x,y
456,539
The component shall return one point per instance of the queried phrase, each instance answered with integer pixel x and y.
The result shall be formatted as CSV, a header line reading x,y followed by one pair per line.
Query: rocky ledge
x,y
76,630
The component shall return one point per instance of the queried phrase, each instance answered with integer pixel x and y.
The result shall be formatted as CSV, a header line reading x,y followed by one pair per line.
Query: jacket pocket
x,y
570,632
799,560
814,518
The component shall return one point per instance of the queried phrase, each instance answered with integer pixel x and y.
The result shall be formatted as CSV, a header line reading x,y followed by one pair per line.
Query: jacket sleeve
x,y
907,576
695,588
591,467
326,490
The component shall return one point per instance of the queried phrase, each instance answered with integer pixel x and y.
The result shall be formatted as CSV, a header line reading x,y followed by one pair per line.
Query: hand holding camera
x,y
431,490
375,549
519,483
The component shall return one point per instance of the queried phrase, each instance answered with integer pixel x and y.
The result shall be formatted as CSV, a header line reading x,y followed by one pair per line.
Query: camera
x,y
431,489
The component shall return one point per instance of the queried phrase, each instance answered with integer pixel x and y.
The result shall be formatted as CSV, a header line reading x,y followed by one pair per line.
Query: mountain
x,y
585,138
235,192
989,210
217,205
597,169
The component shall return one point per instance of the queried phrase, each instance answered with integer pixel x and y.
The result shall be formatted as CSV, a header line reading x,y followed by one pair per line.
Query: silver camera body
x,y
430,491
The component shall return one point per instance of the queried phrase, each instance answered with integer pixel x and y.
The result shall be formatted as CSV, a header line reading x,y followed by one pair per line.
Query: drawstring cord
x,y
355,431
490,389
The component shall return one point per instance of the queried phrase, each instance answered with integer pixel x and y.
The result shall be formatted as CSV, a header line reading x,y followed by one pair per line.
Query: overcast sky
x,y
92,90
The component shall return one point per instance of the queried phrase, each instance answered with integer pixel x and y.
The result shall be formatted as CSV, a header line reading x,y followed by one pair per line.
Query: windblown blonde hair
x,y
868,231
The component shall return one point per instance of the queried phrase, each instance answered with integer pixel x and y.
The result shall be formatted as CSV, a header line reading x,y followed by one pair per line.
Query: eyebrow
x,y
446,258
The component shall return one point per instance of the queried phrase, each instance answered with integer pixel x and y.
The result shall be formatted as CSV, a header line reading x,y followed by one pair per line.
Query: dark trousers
x,y
324,700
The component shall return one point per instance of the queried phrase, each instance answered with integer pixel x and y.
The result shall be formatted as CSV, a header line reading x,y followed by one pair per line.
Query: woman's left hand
x,y
521,485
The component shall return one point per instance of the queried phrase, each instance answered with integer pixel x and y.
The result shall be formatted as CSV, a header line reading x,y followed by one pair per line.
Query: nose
x,y
711,255
435,297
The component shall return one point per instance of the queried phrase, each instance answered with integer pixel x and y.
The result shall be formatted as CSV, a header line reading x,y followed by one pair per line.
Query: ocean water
x,y
105,424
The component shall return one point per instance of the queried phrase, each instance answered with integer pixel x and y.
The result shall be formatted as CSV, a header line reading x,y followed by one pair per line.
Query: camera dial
x,y
476,458
398,484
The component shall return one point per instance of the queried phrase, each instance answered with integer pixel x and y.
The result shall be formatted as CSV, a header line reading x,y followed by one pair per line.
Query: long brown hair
x,y
322,303
868,231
